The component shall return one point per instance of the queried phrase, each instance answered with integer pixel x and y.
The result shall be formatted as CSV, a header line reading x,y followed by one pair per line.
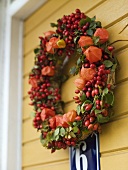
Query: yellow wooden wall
x,y
114,139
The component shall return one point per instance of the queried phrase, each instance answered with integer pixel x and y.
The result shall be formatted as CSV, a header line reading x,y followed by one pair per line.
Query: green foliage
x,y
102,119
107,63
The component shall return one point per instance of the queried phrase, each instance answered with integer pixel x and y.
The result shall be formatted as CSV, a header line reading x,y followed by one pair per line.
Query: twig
x,y
123,28
117,41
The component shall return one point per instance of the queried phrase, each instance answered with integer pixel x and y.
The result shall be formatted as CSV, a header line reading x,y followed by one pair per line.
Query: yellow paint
x,y
35,153
115,161
64,165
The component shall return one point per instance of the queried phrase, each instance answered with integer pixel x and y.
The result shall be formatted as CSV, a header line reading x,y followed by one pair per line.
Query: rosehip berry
x,y
77,91
78,118
97,102
68,143
87,123
98,107
75,97
110,48
88,107
88,94
95,127
93,93
92,119
90,127
73,143
77,11
87,65
96,91
92,66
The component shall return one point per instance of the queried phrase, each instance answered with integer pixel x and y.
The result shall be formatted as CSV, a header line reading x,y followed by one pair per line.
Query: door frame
x,y
11,144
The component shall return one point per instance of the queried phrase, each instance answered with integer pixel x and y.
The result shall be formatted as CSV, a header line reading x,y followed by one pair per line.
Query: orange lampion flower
x,y
52,122
80,83
70,116
87,73
60,121
102,33
85,41
48,71
49,33
93,54
46,112
33,82
49,48
52,44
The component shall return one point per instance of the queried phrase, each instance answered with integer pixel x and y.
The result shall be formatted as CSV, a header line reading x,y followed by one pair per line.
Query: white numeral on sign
x,y
81,156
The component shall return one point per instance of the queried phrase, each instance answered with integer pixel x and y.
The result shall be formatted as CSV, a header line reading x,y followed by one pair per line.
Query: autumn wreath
x,y
83,38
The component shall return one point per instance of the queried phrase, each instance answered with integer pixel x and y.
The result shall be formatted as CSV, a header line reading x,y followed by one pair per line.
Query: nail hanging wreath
x,y
84,39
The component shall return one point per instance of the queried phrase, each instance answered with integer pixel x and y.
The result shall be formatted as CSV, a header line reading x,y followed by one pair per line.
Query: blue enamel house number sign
x,y
86,156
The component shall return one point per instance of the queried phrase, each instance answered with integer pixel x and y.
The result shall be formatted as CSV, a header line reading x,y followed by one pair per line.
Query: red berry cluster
x,y
69,26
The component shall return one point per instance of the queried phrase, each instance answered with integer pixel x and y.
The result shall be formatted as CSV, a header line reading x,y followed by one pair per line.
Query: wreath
x,y
84,39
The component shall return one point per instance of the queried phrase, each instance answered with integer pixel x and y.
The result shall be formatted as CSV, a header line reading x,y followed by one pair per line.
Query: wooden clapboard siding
x,y
110,12
26,110
117,160
113,141
122,72
35,154
63,165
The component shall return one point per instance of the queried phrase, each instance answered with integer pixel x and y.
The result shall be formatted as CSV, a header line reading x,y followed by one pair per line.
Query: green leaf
x,y
102,119
72,134
75,129
53,25
78,109
63,26
96,40
83,58
109,98
87,101
56,138
83,97
62,131
89,32
98,24
88,19
92,25
76,39
83,105
56,132
79,50
82,110
73,70
93,19
74,123
50,97
105,91
79,61
93,108
36,50
97,112
107,63
114,67
82,22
